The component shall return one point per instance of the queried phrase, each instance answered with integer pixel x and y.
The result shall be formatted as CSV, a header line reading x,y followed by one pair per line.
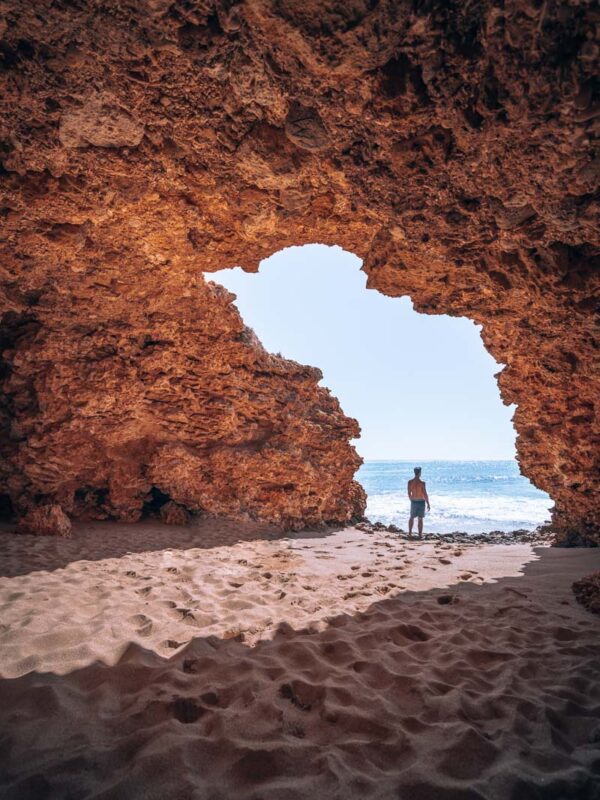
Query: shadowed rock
x,y
587,592
173,514
45,521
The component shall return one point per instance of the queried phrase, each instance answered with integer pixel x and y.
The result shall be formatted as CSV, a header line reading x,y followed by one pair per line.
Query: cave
x,y
156,500
6,508
144,146
130,167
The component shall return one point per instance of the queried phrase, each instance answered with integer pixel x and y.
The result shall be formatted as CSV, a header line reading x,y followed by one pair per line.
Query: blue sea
x,y
468,496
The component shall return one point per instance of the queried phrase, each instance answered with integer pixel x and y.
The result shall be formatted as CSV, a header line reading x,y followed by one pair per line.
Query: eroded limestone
x,y
452,147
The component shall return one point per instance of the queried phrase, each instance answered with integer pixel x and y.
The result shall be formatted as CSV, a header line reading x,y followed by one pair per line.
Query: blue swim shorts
x,y
417,508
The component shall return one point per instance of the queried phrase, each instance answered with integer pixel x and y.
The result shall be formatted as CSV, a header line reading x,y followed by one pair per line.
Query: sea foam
x,y
468,496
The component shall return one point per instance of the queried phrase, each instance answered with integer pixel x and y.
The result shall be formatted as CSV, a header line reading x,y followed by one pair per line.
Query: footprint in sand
x,y
516,591
171,644
186,615
446,599
144,624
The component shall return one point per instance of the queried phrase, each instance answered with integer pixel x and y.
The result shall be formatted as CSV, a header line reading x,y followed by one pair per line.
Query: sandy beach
x,y
227,661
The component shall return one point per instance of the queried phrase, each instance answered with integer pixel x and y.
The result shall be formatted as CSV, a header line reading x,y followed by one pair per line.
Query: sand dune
x,y
341,666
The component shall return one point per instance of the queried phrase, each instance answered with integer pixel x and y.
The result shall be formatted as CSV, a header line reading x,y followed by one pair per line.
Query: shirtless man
x,y
417,492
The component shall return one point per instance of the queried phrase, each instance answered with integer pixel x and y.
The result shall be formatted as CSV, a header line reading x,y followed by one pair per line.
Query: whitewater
x,y
467,496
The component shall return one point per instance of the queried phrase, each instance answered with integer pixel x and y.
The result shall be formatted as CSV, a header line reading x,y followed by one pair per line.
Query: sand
x,y
225,661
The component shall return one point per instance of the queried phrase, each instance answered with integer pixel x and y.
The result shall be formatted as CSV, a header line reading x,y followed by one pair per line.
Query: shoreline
x,y
543,534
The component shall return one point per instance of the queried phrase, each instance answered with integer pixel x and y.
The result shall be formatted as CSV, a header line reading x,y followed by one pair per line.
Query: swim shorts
x,y
417,508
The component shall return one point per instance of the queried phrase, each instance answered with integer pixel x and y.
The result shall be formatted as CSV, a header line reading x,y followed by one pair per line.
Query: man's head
x,y
417,472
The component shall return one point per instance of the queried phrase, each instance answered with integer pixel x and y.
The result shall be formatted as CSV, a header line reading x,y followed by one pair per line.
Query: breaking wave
x,y
473,497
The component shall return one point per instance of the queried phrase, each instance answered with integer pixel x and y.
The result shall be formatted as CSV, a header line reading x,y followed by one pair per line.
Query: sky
x,y
421,386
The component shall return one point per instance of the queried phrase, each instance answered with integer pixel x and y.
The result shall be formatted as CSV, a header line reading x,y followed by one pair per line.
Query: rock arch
x,y
451,147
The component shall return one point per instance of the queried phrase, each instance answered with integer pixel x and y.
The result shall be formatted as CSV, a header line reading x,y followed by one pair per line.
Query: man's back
x,y
416,489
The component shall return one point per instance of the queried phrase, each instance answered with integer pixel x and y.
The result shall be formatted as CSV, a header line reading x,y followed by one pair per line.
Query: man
x,y
417,492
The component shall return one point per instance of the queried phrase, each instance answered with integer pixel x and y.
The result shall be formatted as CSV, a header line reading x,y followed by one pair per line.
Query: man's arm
x,y
426,496
409,488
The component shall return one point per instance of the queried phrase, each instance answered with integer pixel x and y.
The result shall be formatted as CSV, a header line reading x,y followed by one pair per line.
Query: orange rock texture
x,y
49,520
451,145
587,592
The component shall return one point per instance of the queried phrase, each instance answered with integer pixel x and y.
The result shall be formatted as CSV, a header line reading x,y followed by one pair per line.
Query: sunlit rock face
x,y
156,393
144,143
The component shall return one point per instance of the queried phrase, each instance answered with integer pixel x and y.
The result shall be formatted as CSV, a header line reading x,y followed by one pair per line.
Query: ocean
x,y
468,496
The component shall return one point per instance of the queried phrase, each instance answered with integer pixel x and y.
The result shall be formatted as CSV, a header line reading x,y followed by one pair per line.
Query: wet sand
x,y
224,661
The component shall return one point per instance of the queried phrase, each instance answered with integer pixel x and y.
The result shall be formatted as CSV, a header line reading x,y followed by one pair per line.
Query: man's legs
x,y
420,526
410,526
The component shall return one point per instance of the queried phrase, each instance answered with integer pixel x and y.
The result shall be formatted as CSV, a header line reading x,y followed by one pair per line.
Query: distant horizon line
x,y
416,461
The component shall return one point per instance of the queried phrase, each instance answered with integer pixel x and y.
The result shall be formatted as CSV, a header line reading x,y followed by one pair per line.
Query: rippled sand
x,y
224,661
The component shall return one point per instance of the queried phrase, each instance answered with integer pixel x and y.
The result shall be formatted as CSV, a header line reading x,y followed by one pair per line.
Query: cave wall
x,y
142,388
450,145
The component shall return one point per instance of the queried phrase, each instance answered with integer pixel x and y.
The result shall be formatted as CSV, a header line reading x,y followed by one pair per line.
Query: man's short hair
x,y
417,470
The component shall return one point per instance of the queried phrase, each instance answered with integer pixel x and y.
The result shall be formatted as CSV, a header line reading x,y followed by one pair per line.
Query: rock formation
x,y
587,592
48,520
174,514
143,143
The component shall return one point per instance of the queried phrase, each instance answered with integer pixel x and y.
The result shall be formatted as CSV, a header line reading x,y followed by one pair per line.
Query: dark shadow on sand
x,y
21,554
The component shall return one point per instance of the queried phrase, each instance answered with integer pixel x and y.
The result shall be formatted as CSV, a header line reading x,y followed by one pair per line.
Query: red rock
x,y
453,151
45,521
173,514
99,122
587,592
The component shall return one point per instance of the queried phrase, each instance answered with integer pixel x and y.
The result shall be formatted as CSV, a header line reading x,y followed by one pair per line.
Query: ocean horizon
x,y
471,496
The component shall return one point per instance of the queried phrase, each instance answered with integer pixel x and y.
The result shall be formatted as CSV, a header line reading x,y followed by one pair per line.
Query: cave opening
x,y
422,387
156,500
6,507
92,502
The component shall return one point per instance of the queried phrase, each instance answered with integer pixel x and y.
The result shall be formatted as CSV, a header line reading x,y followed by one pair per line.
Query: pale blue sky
x,y
421,386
